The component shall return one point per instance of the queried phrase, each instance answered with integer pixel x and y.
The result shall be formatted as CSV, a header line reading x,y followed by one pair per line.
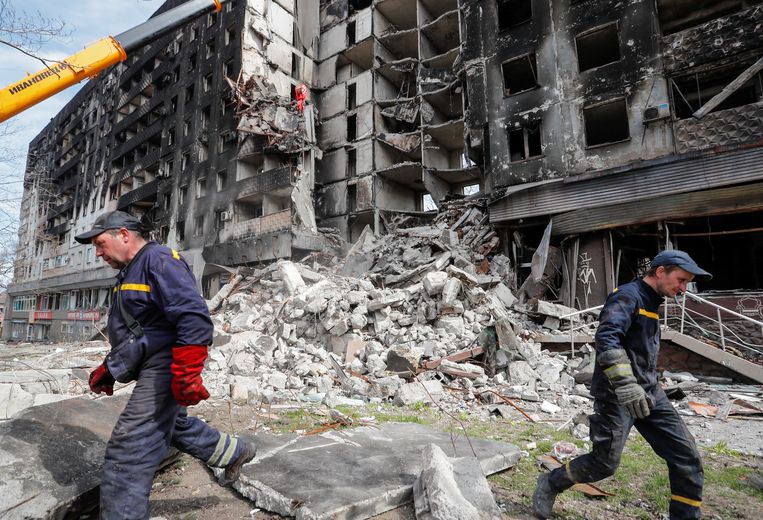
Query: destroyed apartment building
x,y
600,132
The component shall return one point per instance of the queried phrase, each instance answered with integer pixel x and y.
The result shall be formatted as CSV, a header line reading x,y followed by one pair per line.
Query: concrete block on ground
x,y
354,473
404,358
52,455
292,279
434,282
418,392
452,489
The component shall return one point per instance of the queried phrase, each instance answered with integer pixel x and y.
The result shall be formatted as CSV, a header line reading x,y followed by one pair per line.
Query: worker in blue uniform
x,y
626,392
159,330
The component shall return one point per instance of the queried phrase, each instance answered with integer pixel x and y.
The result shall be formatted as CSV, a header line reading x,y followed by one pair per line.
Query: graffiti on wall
x,y
586,275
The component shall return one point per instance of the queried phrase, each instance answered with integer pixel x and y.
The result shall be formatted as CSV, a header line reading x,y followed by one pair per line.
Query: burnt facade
x,y
626,127
157,136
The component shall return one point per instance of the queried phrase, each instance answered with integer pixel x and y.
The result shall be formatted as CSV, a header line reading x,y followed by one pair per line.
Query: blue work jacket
x,y
159,290
630,321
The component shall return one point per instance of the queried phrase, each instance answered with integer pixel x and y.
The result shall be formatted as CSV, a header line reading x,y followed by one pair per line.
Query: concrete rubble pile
x,y
422,314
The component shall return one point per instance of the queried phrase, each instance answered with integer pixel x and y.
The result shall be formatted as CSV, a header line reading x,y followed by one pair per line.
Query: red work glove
x,y
187,364
101,380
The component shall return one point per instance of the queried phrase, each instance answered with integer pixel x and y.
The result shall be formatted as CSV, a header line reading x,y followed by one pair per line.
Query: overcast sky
x,y
87,21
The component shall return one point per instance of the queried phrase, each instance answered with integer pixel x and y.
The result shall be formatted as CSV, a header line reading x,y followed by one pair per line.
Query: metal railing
x,y
572,318
688,318
677,316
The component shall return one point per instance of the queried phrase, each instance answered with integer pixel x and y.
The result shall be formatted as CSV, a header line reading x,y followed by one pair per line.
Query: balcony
x,y
259,226
61,208
145,193
59,229
265,182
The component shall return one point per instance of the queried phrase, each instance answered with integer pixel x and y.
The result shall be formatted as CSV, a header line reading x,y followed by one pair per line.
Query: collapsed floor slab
x,y
353,474
51,455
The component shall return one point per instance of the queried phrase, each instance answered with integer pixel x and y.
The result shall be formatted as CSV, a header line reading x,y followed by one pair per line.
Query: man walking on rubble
x,y
159,330
627,393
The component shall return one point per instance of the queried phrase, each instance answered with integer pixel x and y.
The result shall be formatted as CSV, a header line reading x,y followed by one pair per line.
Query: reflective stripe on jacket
x,y
629,320
159,290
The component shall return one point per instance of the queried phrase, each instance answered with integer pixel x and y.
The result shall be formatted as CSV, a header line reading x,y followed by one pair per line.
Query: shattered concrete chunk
x,y
404,358
419,392
452,489
434,282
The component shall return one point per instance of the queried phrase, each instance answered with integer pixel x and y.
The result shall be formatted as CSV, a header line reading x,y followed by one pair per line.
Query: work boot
x,y
233,470
544,497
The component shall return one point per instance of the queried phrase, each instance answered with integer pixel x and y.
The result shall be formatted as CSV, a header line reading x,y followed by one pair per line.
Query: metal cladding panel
x,y
748,197
662,180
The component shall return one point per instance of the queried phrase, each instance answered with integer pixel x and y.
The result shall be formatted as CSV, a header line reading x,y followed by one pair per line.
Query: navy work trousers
x,y
152,422
664,430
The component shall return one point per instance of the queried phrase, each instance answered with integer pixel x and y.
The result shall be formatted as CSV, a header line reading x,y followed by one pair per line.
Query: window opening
x,y
606,123
513,12
520,74
524,143
598,47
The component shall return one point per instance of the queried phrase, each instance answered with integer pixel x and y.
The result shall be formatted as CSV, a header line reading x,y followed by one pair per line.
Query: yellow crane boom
x,y
94,58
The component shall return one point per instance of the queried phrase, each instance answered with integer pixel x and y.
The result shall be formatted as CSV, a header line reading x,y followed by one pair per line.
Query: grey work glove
x,y
634,399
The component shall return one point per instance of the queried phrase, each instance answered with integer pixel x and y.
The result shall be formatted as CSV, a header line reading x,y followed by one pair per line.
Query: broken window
x,y
520,74
295,66
210,48
691,92
185,160
170,137
606,123
194,33
524,143
219,220
351,127
352,162
201,187
180,227
222,180
182,194
513,12
166,201
227,68
350,33
598,47
205,113
203,152
207,82
351,99
198,226
230,35
174,105
192,62
188,93
352,197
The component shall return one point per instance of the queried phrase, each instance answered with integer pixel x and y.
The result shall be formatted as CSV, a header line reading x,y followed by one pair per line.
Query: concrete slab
x,y
51,455
355,473
453,489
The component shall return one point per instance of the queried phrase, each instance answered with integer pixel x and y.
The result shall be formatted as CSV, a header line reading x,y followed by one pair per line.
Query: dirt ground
x,y
188,490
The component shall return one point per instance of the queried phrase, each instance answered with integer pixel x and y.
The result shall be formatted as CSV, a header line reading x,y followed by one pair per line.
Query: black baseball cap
x,y
110,220
682,260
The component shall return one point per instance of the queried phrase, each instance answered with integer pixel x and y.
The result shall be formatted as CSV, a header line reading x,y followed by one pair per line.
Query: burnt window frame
x,y
501,28
533,59
600,104
593,30
526,129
